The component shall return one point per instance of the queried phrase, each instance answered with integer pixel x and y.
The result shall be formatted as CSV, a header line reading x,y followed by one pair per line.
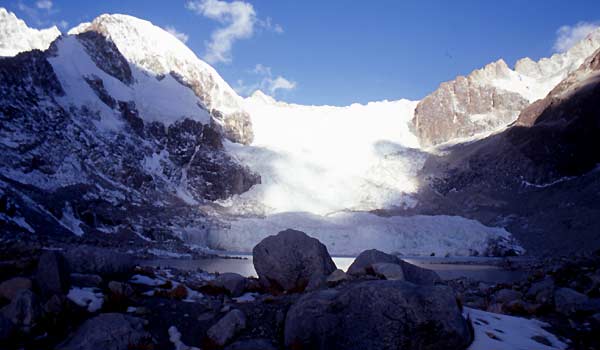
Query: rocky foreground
x,y
85,297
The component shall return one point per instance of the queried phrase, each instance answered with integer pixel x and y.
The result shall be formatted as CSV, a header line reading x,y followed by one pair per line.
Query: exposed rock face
x,y
463,108
53,276
108,331
528,173
493,97
377,315
101,261
292,261
24,311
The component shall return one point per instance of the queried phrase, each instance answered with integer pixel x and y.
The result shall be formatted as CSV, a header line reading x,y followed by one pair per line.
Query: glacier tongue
x,y
324,167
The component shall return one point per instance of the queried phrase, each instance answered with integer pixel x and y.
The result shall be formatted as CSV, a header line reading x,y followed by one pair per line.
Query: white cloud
x,y
269,25
567,36
280,83
238,19
266,82
179,35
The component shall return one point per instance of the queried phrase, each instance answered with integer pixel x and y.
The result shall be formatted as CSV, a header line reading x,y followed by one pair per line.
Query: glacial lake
x,y
478,268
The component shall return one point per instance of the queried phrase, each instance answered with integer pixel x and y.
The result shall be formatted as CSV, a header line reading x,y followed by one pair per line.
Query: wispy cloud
x,y
44,4
567,36
179,35
265,81
238,19
39,12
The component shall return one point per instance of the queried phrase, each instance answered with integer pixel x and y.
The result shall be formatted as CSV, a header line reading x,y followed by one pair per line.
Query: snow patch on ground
x,y
69,221
89,298
147,281
175,338
349,233
502,332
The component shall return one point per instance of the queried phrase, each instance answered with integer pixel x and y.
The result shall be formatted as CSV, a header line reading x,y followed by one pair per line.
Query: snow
x,y
246,298
175,338
349,233
69,221
16,36
164,100
158,53
512,332
147,281
17,220
323,159
89,298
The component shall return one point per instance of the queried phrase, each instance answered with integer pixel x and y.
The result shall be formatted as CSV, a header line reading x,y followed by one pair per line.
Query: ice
x,y
510,332
349,233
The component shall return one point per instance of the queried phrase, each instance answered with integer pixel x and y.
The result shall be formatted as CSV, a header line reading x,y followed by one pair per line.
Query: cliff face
x,y
491,98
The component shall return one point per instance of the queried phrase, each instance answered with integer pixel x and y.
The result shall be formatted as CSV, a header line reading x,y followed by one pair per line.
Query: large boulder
x,y
363,264
100,261
232,283
377,314
52,275
108,331
570,302
227,328
292,261
24,311
10,288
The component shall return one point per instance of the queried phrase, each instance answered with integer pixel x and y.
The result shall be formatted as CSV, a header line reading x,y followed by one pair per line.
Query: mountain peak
x,y
16,36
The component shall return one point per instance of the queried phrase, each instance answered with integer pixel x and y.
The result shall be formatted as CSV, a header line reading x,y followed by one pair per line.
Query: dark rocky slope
x,y
538,178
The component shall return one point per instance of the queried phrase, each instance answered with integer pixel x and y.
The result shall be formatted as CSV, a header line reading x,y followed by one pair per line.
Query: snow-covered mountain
x,y
95,141
490,98
119,128
18,37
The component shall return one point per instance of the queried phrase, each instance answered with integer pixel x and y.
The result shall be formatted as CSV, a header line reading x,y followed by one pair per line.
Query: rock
x,y
292,261
52,274
363,265
7,328
392,272
10,288
234,284
364,260
252,344
85,280
108,331
542,292
227,328
506,295
570,302
336,277
120,290
377,315
100,261
55,304
419,275
24,311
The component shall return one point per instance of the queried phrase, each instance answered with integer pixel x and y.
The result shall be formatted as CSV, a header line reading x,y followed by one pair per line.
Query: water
x,y
481,269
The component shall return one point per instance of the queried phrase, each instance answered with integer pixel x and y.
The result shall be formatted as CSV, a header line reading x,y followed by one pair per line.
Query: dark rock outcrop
x,y
53,274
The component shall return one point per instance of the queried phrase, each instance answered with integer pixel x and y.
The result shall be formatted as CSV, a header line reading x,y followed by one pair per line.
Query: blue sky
x,y
340,51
